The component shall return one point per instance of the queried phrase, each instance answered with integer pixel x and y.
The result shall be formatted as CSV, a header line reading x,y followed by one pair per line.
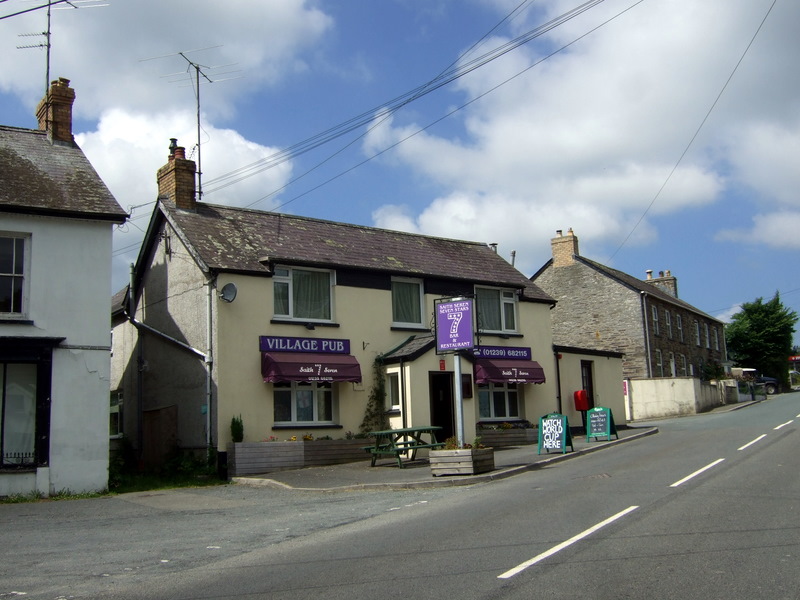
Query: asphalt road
x,y
706,509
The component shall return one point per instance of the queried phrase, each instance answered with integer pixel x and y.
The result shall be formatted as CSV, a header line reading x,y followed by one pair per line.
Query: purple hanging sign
x,y
454,325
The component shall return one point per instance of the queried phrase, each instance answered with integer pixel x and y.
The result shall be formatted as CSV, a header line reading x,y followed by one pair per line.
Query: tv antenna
x,y
47,33
203,71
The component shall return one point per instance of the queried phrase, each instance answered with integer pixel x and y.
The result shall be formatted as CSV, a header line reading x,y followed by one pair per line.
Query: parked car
x,y
771,384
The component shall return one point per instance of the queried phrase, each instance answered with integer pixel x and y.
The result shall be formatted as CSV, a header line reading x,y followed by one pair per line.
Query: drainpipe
x,y
646,332
403,406
558,379
208,360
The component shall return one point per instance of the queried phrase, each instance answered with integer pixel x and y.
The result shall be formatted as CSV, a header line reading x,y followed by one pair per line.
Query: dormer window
x,y
497,310
302,294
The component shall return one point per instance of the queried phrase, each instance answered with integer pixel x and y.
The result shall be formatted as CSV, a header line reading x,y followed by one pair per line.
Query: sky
x,y
665,133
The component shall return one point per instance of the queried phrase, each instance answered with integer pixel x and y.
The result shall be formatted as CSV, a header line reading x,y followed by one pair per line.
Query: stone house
x,y
56,221
602,308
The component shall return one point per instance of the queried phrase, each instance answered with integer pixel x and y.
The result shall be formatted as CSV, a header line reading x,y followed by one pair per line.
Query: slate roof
x,y
642,286
249,241
37,176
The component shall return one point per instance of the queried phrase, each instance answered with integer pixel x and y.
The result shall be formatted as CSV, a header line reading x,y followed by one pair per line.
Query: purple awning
x,y
508,371
308,366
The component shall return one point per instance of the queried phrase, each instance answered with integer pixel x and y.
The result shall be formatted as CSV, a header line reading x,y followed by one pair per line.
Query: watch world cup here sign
x,y
454,325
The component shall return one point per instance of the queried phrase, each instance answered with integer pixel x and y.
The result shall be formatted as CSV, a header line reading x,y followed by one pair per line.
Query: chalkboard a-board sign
x,y
601,423
554,433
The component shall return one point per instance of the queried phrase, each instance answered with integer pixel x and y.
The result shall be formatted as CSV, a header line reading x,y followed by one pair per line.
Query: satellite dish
x,y
228,292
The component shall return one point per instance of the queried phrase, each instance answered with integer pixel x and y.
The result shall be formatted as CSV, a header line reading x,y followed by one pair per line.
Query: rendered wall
x,y
608,384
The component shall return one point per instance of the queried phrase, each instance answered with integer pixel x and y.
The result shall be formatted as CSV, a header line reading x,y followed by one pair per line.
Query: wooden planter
x,y
502,438
254,458
461,462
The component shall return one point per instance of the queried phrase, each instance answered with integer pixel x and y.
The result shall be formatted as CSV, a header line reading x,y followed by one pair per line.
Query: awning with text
x,y
508,371
308,366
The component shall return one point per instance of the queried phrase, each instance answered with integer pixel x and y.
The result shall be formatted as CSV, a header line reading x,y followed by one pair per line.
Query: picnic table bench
x,y
394,442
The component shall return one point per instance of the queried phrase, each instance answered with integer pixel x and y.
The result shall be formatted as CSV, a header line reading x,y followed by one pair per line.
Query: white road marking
x,y
584,534
688,477
748,444
783,425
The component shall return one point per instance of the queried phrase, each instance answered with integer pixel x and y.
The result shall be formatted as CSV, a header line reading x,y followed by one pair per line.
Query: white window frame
x,y
655,319
668,323
280,278
421,302
508,390
659,364
115,408
317,388
506,297
697,339
393,390
679,325
22,313
716,339
708,336
683,365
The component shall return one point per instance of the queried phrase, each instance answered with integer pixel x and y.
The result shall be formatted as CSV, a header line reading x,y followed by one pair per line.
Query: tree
x,y
760,336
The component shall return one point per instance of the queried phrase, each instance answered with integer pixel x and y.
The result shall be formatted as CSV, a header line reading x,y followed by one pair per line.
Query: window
x,y
655,320
708,336
716,339
697,333
679,325
302,294
303,402
393,391
497,309
12,275
407,302
498,401
683,365
659,364
115,420
673,368
668,323
18,413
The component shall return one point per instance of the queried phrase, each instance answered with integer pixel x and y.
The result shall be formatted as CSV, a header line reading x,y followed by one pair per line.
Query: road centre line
x,y
783,425
555,549
706,468
748,444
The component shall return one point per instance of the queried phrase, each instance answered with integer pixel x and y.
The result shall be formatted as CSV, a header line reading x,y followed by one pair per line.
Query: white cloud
x,y
776,230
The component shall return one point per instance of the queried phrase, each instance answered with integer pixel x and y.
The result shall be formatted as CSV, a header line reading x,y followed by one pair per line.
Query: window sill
x,y
299,426
500,334
15,321
392,412
418,328
303,323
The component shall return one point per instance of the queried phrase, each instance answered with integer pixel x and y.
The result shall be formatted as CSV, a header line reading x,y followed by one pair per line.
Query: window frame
x,y
421,302
23,277
716,339
654,312
708,336
506,389
659,363
668,323
679,325
116,409
288,279
316,388
506,297
697,339
393,391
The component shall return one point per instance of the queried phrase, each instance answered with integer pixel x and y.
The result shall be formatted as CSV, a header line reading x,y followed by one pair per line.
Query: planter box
x,y
501,438
461,462
254,458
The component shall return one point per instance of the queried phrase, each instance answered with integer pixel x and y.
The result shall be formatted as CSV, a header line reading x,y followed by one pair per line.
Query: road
x,y
708,508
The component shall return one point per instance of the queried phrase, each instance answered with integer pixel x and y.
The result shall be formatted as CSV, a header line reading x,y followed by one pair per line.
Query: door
x,y
587,380
442,409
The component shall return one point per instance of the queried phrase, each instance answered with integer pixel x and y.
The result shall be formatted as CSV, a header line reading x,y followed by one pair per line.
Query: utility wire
x,y
27,10
389,108
696,133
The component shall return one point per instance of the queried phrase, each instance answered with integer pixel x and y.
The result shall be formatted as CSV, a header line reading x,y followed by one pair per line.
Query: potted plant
x,y
464,459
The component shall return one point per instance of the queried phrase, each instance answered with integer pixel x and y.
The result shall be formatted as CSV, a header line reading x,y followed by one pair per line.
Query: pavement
x,y
417,474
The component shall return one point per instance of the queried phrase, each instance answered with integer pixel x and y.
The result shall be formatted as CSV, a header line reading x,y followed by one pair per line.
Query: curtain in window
x,y
405,302
281,293
312,294
18,413
489,318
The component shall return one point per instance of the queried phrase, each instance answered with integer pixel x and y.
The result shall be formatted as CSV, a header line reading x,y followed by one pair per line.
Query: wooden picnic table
x,y
401,441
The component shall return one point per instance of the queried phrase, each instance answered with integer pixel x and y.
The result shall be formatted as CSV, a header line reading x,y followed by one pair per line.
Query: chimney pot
x,y
649,273
559,232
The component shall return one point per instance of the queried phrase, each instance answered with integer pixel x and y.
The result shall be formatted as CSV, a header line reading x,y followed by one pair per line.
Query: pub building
x,y
287,322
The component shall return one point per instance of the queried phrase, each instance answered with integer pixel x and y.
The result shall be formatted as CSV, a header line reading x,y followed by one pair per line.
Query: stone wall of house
x,y
596,313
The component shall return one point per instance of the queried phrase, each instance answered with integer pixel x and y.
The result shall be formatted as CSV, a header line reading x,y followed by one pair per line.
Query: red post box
x,y
581,400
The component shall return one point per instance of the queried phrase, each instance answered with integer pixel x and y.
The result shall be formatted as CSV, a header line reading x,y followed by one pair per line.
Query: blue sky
x,y
666,133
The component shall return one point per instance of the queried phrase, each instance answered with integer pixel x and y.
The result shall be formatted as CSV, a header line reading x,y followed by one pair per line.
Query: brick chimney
x,y
55,112
176,178
565,248
665,281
